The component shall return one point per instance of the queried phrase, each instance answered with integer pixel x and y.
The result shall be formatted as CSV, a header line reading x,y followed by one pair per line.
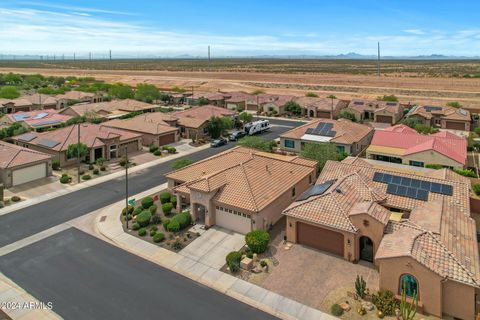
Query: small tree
x,y
257,92
245,117
202,101
258,143
121,91
9,92
347,115
293,108
147,93
77,149
218,126
388,98
311,94
321,153
454,104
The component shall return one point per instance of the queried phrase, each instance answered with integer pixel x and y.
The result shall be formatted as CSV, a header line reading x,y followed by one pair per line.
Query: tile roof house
x,y
348,136
314,107
72,97
108,109
417,229
375,111
19,165
31,102
241,189
37,120
444,117
241,101
213,98
401,144
273,103
102,142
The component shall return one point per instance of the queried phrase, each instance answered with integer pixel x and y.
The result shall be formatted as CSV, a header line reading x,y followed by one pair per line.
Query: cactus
x,y
360,286
408,310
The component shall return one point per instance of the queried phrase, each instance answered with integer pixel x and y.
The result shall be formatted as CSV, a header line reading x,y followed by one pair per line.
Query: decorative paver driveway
x,y
307,275
212,247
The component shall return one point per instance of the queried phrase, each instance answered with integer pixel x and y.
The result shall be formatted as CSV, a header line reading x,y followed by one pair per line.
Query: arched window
x,y
410,283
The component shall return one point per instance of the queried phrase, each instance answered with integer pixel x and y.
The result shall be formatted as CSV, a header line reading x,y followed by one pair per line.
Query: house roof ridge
x,y
249,187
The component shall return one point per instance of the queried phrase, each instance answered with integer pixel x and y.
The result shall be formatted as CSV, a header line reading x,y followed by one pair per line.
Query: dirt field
x,y
408,86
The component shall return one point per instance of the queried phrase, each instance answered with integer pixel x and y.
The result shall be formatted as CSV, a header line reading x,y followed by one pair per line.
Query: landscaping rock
x,y
246,263
367,305
255,257
345,306
257,269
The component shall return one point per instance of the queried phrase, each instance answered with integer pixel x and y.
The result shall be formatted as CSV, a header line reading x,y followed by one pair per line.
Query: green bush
x,y
476,189
158,237
466,172
91,167
336,310
86,177
142,232
167,208
434,166
15,199
155,228
153,148
130,210
153,209
155,219
157,153
147,202
173,226
173,200
385,301
184,219
152,232
263,263
55,164
135,226
137,211
477,130
165,197
165,223
249,254
143,219
103,168
233,260
65,179
257,240
95,171
176,244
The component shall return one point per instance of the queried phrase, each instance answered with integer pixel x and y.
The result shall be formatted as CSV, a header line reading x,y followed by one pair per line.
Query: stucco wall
x,y
458,300
432,157
369,227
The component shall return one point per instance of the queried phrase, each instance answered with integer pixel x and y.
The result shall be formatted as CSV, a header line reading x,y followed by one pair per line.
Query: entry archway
x,y
311,114
366,249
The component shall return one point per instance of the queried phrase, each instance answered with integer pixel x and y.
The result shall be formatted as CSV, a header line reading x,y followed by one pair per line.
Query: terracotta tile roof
x,y
236,97
12,155
359,105
322,104
32,99
90,134
347,132
141,124
411,142
197,116
243,178
127,105
446,112
75,95
38,118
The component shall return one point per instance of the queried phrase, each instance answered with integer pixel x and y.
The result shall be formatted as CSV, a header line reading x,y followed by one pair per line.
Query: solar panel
x,y
436,187
431,108
48,143
447,189
20,117
322,129
396,179
378,177
406,182
44,123
27,137
415,183
422,194
391,103
316,190
41,115
425,185
402,191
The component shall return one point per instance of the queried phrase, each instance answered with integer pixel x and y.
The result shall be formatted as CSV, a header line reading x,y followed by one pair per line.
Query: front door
x,y
366,249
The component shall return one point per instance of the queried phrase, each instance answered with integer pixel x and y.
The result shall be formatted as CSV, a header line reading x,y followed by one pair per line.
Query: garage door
x,y
166,139
455,125
233,221
319,238
132,146
28,174
384,119
323,114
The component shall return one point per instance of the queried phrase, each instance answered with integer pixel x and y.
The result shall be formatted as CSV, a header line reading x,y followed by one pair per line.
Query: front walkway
x,y
203,268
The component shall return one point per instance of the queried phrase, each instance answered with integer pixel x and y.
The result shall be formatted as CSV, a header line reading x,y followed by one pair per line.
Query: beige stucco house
x,y
444,117
325,108
416,229
375,111
27,103
349,137
241,189
73,97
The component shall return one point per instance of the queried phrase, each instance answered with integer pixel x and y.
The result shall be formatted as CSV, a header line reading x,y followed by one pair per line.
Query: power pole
x,y
90,56
208,58
74,56
378,59
110,55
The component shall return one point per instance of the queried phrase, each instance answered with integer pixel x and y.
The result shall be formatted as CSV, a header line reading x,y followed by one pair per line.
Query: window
x,y
340,149
310,179
293,192
416,163
182,129
289,144
410,283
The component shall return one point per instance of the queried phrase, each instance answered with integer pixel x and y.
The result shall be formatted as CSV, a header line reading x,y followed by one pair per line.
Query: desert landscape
x,y
412,81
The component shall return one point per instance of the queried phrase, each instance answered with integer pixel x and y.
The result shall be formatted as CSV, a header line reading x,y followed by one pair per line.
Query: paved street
x,y
28,221
86,278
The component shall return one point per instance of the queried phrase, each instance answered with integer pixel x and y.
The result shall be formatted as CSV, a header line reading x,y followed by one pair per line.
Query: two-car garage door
x,y
319,238
166,139
233,220
384,119
28,174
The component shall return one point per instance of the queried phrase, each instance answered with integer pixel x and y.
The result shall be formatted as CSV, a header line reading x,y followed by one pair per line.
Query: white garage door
x,y
233,221
29,174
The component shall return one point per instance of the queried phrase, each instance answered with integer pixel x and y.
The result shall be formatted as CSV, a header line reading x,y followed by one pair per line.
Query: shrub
x,y
155,219
122,162
170,149
130,210
135,226
167,208
65,179
152,232
142,232
55,164
157,152
165,223
103,168
233,260
360,286
476,189
91,167
154,228
165,197
95,171
173,226
100,161
137,211
153,148
263,263
477,130
15,198
257,240
385,301
466,172
184,219
434,166
176,245
336,310
153,209
143,219
158,237
86,177
147,202
173,200
249,254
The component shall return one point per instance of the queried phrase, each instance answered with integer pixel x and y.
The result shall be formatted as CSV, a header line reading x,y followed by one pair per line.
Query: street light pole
x,y
126,187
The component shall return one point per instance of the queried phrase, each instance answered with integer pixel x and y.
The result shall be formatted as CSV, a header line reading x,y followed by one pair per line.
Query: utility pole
x,y
78,154
90,56
74,56
378,59
110,55
126,187
209,58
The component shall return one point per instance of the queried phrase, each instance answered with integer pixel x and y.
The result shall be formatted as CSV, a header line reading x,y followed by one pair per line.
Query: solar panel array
x,y
463,112
44,123
322,129
41,115
358,103
27,137
430,108
20,117
316,190
48,143
411,188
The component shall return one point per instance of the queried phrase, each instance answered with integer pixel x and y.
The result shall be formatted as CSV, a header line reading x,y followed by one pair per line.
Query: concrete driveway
x,y
212,247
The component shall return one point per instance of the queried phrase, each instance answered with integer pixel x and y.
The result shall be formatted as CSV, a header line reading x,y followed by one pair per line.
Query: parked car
x,y
237,135
218,142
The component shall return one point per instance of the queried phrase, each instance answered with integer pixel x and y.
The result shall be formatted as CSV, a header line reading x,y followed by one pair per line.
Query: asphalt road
x,y
31,220
86,278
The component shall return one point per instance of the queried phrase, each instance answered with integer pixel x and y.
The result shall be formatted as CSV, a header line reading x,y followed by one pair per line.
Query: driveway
x,y
307,275
212,247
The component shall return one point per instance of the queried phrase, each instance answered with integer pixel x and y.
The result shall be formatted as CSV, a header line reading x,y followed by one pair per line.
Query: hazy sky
x,y
235,27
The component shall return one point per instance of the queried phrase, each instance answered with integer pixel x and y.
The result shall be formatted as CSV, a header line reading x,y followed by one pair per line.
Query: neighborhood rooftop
x,y
12,155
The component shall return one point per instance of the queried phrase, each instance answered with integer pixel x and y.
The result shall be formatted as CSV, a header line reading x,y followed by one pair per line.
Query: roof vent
x,y
338,190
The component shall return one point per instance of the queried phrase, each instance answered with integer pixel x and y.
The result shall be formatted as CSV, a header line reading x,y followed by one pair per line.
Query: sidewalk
x,y
108,224
93,182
